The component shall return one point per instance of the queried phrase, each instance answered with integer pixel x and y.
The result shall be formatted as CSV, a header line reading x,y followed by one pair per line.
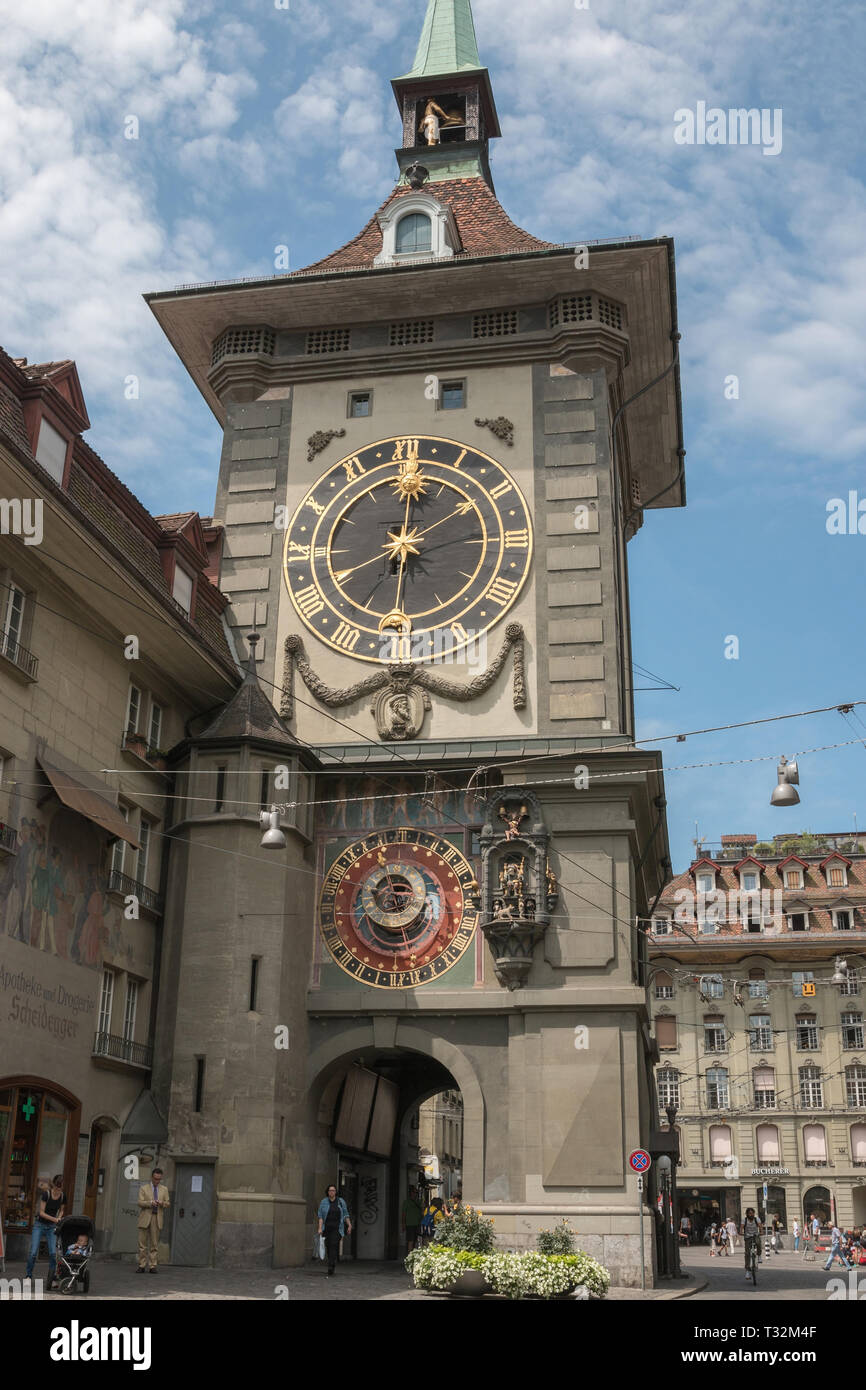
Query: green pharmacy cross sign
x,y
28,1108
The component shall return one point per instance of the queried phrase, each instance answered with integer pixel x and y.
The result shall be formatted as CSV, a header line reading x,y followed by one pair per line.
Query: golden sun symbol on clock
x,y
412,544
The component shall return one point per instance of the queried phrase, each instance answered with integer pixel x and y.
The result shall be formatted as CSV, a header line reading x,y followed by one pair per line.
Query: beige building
x,y
440,1142
758,977
111,638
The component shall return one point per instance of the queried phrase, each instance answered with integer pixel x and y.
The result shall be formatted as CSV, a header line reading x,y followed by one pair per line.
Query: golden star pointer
x,y
402,544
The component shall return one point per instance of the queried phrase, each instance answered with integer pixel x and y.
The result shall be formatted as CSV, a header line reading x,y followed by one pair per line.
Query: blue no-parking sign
x,y
639,1161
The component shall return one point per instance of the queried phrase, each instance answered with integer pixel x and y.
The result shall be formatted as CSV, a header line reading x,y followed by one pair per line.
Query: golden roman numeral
x,y
353,466
501,490
346,637
411,446
311,502
459,632
298,552
517,540
320,552
308,601
501,591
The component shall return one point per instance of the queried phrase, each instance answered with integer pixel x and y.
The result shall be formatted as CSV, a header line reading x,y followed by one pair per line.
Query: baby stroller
x,y
73,1269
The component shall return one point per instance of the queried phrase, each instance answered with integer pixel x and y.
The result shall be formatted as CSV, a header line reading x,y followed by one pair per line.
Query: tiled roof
x,y
43,368
483,224
249,713
12,419
174,522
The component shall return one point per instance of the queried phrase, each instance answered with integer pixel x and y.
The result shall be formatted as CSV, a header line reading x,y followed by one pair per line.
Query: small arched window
x,y
414,234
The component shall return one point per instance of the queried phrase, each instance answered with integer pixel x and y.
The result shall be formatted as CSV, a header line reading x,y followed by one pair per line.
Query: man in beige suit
x,y
153,1203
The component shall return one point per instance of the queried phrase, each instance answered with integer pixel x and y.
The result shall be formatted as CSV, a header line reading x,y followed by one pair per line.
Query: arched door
x,y
817,1200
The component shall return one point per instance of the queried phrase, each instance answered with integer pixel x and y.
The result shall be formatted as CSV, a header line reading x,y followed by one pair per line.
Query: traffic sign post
x,y
639,1162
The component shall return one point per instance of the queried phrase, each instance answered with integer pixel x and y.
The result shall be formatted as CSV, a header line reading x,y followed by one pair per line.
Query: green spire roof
x,y
448,42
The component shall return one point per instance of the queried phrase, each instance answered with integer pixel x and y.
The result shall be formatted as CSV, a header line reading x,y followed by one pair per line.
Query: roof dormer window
x,y
836,868
181,589
414,235
417,225
51,450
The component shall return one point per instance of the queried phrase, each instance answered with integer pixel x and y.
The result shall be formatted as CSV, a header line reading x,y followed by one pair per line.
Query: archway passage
x,y
394,1121
817,1202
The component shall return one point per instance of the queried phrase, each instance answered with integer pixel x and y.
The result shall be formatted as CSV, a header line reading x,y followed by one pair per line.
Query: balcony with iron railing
x,y
133,888
111,1047
24,662
8,838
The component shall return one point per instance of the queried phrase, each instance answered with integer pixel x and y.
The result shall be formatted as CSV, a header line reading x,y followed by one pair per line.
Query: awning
x,y
88,803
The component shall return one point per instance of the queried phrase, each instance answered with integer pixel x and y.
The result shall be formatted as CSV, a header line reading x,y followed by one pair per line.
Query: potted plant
x,y
467,1231
134,742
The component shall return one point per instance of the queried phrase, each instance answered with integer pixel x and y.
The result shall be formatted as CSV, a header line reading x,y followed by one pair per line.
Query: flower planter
x,y
470,1284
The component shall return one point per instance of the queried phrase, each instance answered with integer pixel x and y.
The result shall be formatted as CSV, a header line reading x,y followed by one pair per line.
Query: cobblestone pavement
x,y
368,1281
781,1277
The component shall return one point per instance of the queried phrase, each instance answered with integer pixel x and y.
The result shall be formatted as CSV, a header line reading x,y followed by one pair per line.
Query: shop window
x,y
33,1136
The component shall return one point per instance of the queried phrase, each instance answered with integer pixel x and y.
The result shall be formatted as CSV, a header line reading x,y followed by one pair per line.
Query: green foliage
x,y
559,1241
467,1229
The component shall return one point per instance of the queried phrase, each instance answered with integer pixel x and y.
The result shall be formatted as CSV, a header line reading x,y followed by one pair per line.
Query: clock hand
x,y
461,509
404,554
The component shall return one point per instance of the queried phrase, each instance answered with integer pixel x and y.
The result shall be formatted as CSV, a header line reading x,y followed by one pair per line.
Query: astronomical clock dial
x,y
393,909
408,550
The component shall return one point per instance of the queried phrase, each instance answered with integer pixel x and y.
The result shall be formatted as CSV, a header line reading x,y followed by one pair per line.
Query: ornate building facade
x,y
757,976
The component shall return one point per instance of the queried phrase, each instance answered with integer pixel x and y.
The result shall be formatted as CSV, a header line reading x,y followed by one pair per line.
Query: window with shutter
x,y
666,1033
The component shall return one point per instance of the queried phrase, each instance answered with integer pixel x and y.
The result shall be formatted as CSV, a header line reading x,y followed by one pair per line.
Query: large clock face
x,y
409,549
393,909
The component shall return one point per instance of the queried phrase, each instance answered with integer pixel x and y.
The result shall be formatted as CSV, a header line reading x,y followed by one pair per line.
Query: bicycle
x,y
752,1266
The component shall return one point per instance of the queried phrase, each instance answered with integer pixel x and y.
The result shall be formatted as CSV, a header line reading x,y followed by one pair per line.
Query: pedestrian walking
x,y
795,1232
685,1229
153,1203
411,1218
836,1248
732,1233
49,1214
334,1223
816,1227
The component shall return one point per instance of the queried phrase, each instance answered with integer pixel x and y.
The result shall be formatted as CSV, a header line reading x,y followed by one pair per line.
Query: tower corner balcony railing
x,y
133,888
113,1048
8,838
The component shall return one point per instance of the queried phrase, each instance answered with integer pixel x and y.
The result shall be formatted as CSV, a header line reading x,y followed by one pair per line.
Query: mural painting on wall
x,y
364,803
53,892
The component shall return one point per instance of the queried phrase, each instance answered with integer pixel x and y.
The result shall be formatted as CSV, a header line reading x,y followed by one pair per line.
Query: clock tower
x,y
439,441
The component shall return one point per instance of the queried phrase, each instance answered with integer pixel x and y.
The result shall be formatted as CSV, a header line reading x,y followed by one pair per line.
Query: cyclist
x,y
751,1232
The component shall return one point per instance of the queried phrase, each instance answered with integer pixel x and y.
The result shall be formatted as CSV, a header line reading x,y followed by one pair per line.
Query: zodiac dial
x,y
408,549
392,909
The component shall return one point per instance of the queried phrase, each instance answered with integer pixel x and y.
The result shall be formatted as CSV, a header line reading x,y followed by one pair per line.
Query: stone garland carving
x,y
402,691
502,428
320,440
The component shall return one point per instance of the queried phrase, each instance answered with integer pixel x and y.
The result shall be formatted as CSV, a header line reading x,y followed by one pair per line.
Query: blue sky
x,y
261,126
